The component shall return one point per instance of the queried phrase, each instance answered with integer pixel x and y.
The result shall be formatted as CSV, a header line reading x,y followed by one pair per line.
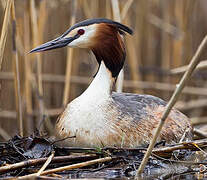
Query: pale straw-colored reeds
x,y
69,58
16,73
38,67
3,37
4,30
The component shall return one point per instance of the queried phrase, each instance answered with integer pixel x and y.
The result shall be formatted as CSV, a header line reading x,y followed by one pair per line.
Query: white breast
x,y
85,116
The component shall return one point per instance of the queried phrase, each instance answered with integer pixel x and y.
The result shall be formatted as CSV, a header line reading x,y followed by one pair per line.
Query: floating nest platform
x,y
37,157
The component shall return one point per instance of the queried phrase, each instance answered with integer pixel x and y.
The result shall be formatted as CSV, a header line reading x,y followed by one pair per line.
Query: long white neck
x,y
102,83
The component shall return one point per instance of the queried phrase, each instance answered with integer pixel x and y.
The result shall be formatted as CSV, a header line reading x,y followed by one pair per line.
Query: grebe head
x,y
102,36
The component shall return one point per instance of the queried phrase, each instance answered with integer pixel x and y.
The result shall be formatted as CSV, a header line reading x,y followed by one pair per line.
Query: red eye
x,y
81,31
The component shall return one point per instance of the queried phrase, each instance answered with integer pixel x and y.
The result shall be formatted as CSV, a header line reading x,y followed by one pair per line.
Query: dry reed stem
x,y
164,87
56,111
46,164
116,10
193,104
17,74
166,27
94,7
13,114
4,134
4,30
166,43
36,42
27,69
52,177
177,45
147,31
198,120
70,52
139,40
3,3
42,21
20,46
108,10
133,61
193,63
41,25
193,145
185,145
200,133
78,165
49,159
182,69
35,162
117,17
51,78
8,114
86,8
126,9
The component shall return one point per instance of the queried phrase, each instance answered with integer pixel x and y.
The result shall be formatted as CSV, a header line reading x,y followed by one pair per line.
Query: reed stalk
x,y
133,61
49,159
4,134
17,74
182,69
166,42
86,9
126,8
193,63
117,17
36,42
70,52
145,85
4,30
27,70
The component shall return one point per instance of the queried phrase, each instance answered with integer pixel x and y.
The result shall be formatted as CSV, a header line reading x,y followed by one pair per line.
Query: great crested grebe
x,y
100,117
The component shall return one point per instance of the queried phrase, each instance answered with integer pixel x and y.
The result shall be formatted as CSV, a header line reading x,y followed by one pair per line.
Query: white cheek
x,y
84,40
81,42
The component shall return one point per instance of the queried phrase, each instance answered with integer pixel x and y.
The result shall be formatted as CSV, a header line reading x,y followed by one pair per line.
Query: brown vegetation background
x,y
166,35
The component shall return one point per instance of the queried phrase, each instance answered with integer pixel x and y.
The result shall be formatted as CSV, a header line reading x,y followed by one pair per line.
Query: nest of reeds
x,y
36,156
